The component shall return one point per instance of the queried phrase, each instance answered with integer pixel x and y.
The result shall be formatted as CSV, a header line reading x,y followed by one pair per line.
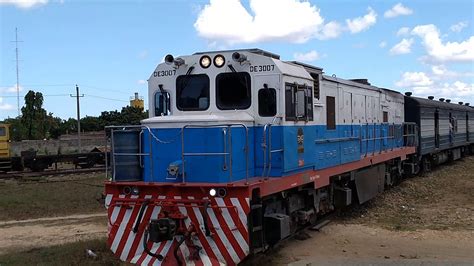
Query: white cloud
x,y
398,10
458,27
456,91
11,89
423,85
414,79
5,106
403,47
359,24
404,31
382,44
307,57
441,72
290,20
141,82
25,4
444,52
330,30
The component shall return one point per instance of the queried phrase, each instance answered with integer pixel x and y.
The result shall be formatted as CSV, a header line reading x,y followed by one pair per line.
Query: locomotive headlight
x,y
219,60
205,61
212,192
127,190
221,192
135,191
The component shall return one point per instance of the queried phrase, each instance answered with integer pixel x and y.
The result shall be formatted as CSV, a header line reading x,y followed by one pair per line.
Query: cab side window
x,y
162,103
298,102
267,102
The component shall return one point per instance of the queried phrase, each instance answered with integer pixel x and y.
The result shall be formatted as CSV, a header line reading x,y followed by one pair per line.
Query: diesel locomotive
x,y
242,150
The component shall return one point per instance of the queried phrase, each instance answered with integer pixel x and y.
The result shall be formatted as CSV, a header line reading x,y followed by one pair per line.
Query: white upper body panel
x,y
355,103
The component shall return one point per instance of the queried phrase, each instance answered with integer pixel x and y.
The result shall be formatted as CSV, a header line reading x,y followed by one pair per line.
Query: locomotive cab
x,y
217,117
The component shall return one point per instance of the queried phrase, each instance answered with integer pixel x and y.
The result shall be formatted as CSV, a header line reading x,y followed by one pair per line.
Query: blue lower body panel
x,y
223,155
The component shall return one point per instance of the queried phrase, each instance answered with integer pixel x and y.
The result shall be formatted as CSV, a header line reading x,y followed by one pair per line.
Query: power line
x,y
93,87
64,95
68,85
44,85
44,95
105,98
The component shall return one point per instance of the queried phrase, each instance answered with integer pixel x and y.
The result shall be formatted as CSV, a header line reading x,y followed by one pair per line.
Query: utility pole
x,y
78,117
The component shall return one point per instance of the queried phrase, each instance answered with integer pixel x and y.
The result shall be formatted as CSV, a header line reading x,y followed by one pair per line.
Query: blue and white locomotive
x,y
241,150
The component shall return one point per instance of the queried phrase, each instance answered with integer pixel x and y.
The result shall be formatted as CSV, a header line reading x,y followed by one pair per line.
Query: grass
x,y
51,197
65,254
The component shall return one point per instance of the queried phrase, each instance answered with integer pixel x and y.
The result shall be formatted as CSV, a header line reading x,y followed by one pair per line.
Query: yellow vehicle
x,y
5,156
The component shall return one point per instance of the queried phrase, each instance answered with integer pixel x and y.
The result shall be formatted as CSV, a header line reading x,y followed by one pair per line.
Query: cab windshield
x,y
233,90
192,92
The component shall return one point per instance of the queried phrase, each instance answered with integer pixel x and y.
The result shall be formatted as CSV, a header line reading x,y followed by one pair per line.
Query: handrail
x,y
391,135
410,133
268,127
225,153
224,132
264,146
350,138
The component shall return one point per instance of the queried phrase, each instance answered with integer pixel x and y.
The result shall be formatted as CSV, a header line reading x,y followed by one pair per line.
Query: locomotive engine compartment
x,y
243,150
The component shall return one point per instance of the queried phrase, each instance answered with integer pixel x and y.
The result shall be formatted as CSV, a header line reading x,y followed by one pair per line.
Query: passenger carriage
x,y
446,129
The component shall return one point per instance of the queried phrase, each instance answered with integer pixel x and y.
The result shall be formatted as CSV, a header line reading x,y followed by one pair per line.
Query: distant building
x,y
137,101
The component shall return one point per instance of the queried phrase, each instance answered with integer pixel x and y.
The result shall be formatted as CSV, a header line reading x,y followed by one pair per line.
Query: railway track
x,y
21,175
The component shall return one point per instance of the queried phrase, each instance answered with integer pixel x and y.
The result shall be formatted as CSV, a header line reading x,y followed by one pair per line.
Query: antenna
x,y
17,72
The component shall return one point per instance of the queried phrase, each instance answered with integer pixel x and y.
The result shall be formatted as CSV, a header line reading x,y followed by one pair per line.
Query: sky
x,y
110,48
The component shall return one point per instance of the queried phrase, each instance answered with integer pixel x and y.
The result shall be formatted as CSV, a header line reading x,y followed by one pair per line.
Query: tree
x,y
91,123
33,115
132,115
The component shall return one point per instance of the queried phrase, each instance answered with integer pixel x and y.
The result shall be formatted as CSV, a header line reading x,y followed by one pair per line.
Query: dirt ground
x,y
42,232
360,244
426,220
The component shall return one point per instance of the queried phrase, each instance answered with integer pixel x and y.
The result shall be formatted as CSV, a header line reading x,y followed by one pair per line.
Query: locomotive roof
x,y
351,83
252,50
438,104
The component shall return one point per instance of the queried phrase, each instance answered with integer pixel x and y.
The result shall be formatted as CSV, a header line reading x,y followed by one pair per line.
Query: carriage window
x,y
162,103
267,102
331,112
298,102
192,92
3,131
233,91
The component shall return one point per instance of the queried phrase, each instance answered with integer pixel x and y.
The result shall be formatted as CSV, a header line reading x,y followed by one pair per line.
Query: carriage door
x,y
467,127
349,147
436,125
347,110
268,155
